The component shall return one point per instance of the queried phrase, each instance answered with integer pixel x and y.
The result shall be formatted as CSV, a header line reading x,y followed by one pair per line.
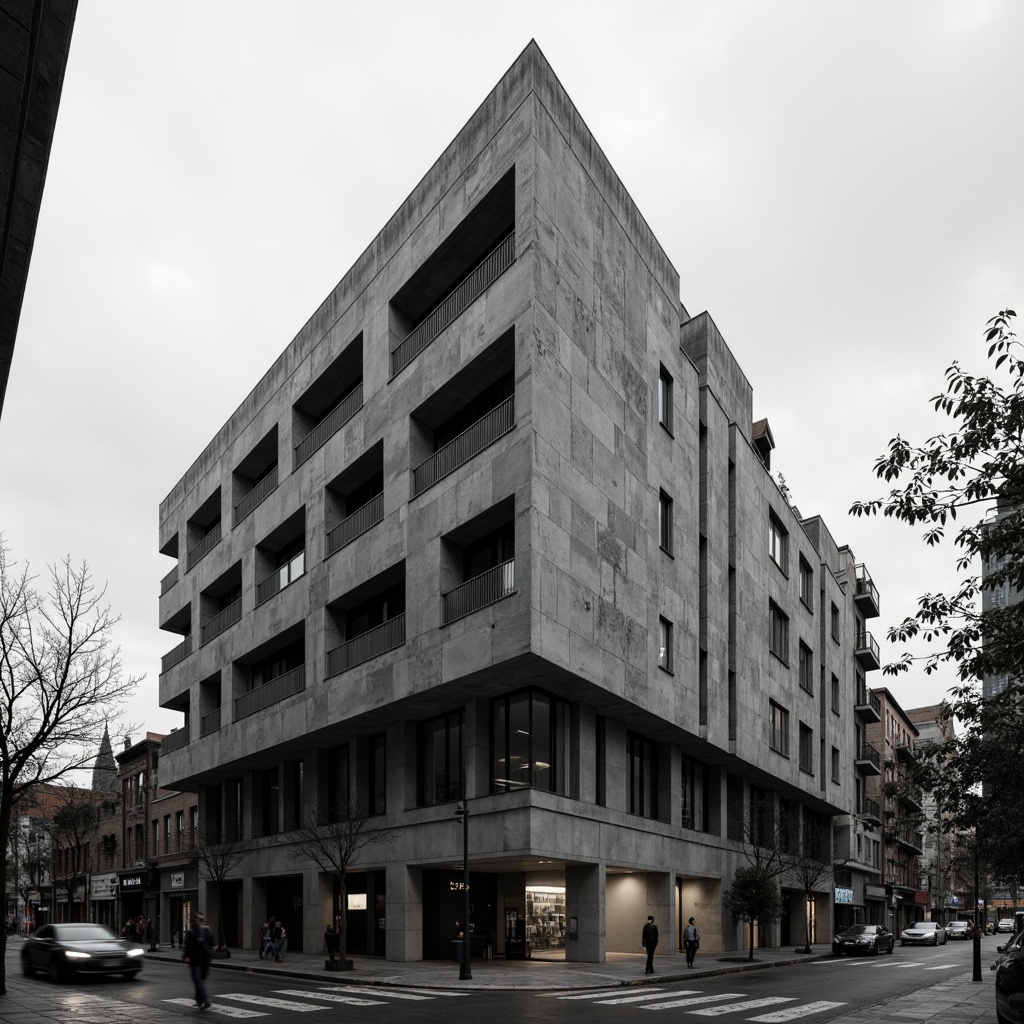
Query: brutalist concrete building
x,y
498,523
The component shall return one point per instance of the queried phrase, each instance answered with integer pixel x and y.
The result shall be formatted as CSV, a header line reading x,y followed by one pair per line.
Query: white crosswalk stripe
x,y
225,1011
643,997
748,1004
391,993
943,967
795,1012
276,1004
330,997
672,1004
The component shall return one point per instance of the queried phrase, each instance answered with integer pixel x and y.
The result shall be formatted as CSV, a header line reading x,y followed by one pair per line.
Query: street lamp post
x,y
465,973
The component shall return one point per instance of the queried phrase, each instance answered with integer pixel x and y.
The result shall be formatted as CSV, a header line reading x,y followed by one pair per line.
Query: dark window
x,y
806,748
778,541
338,793
643,776
378,803
665,644
835,764
530,743
665,399
665,522
695,795
835,622
600,750
835,693
778,728
806,583
806,667
271,802
778,632
441,745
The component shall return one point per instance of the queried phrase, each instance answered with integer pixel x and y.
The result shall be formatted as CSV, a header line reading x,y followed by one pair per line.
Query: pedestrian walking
x,y
198,954
649,940
691,940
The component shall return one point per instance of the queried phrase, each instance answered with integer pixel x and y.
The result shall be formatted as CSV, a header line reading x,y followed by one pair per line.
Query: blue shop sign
x,y
843,895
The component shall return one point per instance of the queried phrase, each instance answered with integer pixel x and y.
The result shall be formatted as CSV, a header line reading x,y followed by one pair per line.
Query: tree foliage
x,y
61,681
753,897
332,838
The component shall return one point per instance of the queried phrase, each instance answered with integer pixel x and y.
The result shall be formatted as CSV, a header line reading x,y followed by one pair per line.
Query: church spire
x,y
104,772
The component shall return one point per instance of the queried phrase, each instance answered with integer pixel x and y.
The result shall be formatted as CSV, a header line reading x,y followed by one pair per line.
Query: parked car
x,y
923,933
1009,970
1005,924
64,950
958,930
863,938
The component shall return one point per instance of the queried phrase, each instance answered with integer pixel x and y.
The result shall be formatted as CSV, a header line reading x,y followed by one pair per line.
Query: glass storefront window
x,y
530,743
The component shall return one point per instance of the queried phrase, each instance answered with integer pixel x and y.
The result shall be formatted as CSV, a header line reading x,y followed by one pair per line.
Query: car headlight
x,y
74,954
864,942
136,952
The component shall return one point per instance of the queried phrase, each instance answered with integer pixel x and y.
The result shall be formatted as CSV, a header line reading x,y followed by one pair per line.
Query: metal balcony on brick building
x,y
868,760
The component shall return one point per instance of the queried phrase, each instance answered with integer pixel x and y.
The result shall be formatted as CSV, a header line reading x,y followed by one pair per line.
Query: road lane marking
x,y
227,1011
380,993
752,1004
673,1003
793,1012
650,994
329,996
277,1004
943,967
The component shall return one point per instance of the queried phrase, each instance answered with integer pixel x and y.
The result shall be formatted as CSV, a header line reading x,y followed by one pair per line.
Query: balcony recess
x,y
272,691
385,637
487,588
868,760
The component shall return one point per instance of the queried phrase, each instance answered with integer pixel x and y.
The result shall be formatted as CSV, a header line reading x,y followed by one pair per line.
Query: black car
x,y
1009,970
864,938
64,950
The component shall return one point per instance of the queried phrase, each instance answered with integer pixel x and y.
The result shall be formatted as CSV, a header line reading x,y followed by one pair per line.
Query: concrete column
x,y
585,904
317,896
251,919
404,913
661,902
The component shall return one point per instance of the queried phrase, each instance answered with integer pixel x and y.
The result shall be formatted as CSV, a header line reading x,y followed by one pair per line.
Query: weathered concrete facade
x,y
494,514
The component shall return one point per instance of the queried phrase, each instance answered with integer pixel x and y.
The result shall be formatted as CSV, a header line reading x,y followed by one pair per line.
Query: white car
x,y
923,933
1005,924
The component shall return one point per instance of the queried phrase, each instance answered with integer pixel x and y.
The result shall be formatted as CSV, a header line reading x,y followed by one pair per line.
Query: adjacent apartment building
x,y
498,526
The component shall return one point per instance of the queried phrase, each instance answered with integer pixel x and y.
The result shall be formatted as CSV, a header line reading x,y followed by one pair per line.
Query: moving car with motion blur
x,y
923,933
863,938
65,950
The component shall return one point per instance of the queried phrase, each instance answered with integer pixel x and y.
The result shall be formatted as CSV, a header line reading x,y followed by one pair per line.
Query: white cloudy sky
x,y
839,184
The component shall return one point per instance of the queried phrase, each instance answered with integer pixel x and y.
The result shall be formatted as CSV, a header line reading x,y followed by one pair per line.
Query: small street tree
x,y
812,865
219,855
332,838
753,897
61,681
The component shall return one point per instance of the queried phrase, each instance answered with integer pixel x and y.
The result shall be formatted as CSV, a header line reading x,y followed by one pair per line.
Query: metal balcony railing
x,y
175,740
865,592
870,809
205,545
176,654
385,637
869,703
868,754
329,425
476,282
357,523
500,420
480,591
271,692
228,617
168,581
261,491
274,583
209,722
866,649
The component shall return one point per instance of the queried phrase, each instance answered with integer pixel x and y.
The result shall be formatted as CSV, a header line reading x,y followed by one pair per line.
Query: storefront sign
x,y
132,883
104,887
357,901
177,879
874,892
843,895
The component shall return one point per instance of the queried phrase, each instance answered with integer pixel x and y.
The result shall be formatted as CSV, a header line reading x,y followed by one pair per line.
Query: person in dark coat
x,y
649,940
198,954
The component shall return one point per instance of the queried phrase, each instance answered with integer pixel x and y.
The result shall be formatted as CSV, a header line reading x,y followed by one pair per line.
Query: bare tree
x,y
331,839
218,855
61,681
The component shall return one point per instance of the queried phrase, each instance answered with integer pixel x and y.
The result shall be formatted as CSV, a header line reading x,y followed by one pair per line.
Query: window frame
x,y
778,728
666,640
556,756
805,748
665,383
805,667
665,521
836,767
835,626
778,542
836,694
778,638
642,770
806,584
452,727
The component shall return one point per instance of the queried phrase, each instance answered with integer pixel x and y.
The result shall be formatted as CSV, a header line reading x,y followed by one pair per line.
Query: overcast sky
x,y
838,184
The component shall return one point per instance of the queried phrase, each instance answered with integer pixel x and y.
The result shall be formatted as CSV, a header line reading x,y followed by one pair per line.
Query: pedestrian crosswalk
x,y
696,1003
300,1000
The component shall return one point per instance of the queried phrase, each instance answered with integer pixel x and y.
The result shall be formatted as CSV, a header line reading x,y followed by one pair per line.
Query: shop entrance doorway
x,y
545,921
